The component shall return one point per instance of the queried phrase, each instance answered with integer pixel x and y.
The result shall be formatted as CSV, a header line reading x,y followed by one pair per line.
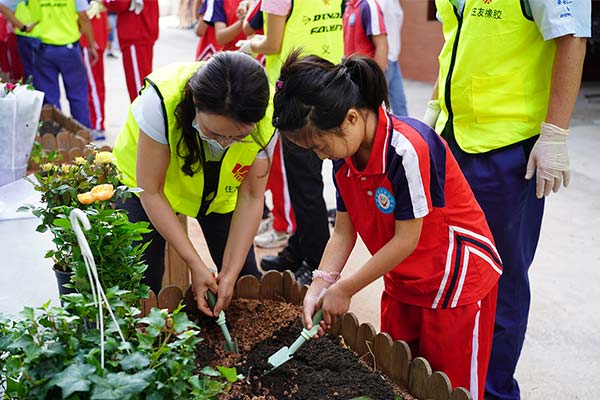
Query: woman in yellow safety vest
x,y
198,141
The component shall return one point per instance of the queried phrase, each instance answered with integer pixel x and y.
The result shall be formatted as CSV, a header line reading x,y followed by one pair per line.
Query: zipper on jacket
x,y
451,67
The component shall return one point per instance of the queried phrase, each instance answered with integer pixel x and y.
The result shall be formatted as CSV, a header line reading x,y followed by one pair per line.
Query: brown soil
x,y
320,369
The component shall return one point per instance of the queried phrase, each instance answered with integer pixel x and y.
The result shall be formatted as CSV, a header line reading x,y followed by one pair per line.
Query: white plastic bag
x,y
19,116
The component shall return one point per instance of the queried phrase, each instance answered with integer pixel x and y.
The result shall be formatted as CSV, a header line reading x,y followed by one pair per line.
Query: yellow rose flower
x,y
47,167
86,198
103,192
80,160
103,157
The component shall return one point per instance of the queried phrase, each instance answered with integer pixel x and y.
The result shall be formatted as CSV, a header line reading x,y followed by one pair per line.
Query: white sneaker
x,y
265,225
271,239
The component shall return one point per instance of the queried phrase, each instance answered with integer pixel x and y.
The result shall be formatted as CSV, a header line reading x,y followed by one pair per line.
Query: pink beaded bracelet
x,y
329,277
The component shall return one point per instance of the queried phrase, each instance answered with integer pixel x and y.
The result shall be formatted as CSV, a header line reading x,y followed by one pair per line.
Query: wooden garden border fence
x,y
71,141
393,358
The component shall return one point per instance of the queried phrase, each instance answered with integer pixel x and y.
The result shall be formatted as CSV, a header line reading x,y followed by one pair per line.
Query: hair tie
x,y
279,84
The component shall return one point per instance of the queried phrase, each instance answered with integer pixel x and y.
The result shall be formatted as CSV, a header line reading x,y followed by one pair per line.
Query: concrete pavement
x,y
562,349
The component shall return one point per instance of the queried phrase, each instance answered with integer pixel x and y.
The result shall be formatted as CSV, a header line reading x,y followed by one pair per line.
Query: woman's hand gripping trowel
x,y
285,354
230,344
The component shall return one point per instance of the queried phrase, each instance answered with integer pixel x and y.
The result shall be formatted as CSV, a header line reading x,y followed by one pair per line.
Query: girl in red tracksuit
x,y
95,72
222,15
9,56
137,29
207,44
400,189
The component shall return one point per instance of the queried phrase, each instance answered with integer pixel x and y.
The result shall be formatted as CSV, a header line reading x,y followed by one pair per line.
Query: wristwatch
x,y
23,28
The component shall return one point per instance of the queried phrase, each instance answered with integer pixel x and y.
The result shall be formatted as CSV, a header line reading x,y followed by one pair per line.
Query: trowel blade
x,y
280,357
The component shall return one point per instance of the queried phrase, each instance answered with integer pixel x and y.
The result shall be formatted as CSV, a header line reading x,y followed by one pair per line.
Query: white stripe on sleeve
x,y
410,163
375,22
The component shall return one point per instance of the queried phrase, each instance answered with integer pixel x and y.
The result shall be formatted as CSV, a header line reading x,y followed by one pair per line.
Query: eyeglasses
x,y
218,137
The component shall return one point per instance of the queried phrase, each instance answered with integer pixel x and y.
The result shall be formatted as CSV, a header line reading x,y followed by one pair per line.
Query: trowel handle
x,y
306,333
211,298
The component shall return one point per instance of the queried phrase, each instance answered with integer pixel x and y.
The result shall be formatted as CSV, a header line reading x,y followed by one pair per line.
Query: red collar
x,y
377,163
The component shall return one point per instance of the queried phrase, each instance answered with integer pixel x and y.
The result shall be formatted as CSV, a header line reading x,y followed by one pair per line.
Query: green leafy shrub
x,y
50,353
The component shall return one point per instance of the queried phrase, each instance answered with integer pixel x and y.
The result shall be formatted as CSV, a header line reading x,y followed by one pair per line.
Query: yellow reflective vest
x,y
184,192
59,24
27,14
316,27
495,74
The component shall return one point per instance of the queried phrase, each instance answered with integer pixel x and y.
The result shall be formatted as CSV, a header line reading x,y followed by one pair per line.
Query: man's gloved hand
x,y
136,6
96,8
432,113
549,160
244,46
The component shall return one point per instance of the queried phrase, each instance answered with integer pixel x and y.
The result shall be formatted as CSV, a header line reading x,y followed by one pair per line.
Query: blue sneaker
x,y
98,135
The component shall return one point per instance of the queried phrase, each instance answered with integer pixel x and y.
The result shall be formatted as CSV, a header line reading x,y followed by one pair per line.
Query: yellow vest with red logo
x,y
495,74
185,192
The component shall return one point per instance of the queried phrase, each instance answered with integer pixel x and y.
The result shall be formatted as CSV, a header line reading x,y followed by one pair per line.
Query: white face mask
x,y
214,145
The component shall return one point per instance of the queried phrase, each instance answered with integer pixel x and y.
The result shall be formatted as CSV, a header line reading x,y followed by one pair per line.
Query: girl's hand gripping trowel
x,y
285,354
230,344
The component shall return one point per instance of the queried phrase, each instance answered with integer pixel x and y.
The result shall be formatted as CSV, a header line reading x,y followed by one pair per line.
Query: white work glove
x,y
244,47
136,6
432,113
549,160
96,8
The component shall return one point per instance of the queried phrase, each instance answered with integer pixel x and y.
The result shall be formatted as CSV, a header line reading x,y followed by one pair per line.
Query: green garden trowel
x,y
285,354
230,344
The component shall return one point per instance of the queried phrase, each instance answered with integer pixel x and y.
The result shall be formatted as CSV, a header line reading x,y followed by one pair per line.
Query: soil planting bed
x,y
321,369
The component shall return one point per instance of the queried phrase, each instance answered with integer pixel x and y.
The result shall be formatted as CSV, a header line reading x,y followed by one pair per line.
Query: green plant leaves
x,y
120,386
228,373
135,361
74,378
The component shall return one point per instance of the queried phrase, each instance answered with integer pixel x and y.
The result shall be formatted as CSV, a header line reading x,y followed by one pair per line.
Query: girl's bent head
x,y
315,98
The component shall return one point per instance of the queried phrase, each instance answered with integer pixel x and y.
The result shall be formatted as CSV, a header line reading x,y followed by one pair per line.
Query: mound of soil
x,y
321,369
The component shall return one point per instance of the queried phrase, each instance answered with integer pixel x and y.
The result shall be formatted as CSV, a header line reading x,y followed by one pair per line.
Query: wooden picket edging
x,y
71,141
176,270
393,358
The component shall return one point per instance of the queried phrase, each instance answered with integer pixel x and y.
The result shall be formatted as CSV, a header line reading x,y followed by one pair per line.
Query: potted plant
x,y
91,184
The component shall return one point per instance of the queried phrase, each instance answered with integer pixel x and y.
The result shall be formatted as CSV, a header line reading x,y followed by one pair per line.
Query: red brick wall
x,y
421,42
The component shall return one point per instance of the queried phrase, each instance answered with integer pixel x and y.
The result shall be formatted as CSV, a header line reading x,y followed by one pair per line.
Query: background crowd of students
x,y
504,119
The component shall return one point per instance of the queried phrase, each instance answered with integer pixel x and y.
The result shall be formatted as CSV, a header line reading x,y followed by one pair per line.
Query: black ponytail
x,y
370,79
313,91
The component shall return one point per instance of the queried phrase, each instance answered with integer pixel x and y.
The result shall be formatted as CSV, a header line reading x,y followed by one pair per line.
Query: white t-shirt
x,y
148,113
393,16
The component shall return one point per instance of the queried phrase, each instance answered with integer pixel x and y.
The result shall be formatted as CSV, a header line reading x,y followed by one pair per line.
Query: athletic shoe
x,y
271,239
304,274
281,262
98,135
265,225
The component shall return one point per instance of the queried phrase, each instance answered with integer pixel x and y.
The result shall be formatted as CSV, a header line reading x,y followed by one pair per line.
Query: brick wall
x,y
421,41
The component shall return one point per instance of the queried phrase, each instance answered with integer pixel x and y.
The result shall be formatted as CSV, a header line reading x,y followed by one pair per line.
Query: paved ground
x,y
562,350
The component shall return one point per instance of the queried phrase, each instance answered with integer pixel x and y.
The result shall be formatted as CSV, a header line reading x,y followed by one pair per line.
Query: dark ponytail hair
x,y
231,84
313,91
